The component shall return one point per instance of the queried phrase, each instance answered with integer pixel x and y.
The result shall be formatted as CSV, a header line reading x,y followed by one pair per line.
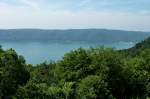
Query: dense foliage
x,y
98,73
13,73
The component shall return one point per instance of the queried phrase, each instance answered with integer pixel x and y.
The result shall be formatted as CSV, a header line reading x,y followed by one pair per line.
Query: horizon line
x,y
63,29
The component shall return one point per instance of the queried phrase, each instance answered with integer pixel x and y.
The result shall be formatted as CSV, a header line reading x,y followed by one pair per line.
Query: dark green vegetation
x,y
13,73
73,35
82,74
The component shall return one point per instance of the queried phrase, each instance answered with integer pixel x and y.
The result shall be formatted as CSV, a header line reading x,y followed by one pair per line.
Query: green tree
x,y
67,89
93,87
74,65
12,73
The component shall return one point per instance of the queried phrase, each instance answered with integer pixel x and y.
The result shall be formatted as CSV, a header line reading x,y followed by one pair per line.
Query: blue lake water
x,y
38,52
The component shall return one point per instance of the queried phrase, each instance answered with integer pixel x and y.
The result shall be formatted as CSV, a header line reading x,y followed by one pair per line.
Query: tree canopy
x,y
95,73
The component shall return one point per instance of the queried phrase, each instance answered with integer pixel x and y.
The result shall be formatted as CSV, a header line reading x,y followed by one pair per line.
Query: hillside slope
x,y
87,35
139,47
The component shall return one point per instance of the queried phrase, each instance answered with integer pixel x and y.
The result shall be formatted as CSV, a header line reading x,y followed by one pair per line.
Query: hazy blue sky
x,y
64,14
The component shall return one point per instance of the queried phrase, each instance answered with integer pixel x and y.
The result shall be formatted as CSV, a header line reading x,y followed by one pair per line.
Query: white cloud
x,y
67,19
30,14
145,12
84,2
30,3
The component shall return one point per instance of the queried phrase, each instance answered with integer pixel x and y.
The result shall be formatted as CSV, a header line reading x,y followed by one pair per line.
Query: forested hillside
x,y
96,73
145,44
78,35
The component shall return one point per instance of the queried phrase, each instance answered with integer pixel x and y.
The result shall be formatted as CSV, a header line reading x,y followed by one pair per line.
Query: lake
x,y
38,52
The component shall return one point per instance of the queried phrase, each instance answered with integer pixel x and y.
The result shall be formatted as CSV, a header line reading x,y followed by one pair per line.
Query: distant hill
x,y
87,35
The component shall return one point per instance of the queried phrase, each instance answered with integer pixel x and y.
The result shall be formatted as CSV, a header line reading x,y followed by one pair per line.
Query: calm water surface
x,y
37,52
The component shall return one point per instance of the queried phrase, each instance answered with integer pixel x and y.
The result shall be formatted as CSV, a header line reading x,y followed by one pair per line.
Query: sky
x,y
67,14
